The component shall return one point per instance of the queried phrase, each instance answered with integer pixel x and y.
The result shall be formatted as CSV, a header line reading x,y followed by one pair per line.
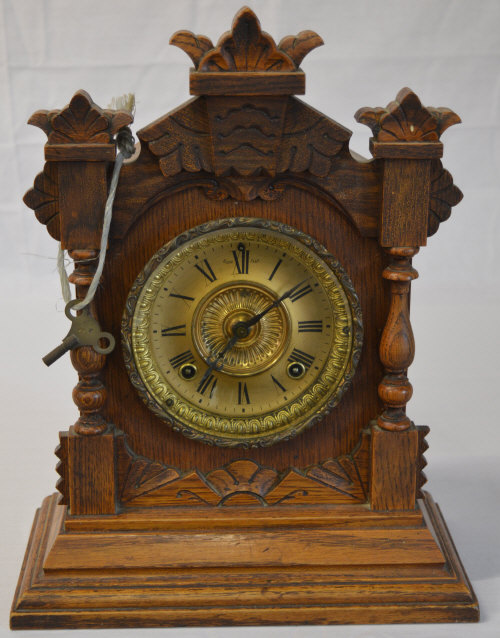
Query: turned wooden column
x,y
406,144
89,394
397,345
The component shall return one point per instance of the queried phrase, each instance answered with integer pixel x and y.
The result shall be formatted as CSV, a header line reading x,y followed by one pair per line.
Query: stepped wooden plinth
x,y
240,566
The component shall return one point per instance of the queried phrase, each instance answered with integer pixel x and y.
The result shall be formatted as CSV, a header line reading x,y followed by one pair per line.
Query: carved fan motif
x,y
406,120
82,121
245,482
443,196
242,477
43,199
247,48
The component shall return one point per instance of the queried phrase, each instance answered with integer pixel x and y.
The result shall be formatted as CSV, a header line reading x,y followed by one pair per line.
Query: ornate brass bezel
x,y
253,431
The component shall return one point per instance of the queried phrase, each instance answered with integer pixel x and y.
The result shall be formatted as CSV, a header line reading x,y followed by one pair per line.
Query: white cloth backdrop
x,y
448,52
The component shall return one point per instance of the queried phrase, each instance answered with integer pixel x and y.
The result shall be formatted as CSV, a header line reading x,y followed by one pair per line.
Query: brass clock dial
x,y
242,332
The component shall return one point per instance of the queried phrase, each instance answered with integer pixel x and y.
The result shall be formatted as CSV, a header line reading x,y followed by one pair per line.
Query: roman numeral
x,y
209,382
301,292
241,259
210,275
174,331
178,296
310,326
298,356
278,384
181,359
280,261
243,393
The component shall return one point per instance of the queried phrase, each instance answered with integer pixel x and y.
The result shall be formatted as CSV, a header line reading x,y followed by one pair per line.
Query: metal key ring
x,y
69,306
107,349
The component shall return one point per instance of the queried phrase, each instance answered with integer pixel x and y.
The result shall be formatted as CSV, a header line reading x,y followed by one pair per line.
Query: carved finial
x,y
406,120
246,48
81,121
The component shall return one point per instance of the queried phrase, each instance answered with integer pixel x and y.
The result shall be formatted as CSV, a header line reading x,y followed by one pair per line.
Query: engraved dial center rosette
x,y
219,314
282,373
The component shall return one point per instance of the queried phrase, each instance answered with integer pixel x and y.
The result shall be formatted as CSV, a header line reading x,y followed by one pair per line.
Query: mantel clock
x,y
244,454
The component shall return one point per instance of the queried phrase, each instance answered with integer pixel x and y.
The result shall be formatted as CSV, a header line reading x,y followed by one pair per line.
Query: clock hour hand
x,y
218,359
285,295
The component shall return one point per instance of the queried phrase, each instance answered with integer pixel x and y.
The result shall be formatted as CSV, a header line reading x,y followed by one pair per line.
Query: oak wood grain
x,y
91,474
403,589
80,152
247,83
83,190
405,202
394,469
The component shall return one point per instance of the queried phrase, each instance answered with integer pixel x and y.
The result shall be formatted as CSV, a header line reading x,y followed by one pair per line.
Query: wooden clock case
x,y
150,528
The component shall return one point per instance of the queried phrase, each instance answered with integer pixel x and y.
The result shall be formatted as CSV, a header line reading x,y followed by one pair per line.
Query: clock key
x,y
85,331
69,342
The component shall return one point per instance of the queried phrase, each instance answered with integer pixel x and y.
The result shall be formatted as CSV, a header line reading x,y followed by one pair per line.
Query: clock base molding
x,y
240,566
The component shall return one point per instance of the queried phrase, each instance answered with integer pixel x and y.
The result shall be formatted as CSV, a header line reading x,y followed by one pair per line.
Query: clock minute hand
x,y
285,295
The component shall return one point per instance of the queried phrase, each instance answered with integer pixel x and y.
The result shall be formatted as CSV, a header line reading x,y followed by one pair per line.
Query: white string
x,y
126,147
125,102
63,276
108,212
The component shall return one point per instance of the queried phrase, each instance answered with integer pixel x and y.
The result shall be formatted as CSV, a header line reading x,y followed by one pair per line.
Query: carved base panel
x,y
146,483
240,566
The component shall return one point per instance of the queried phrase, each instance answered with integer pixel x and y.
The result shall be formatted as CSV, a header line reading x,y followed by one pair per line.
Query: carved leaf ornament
x,y
43,199
406,120
81,122
443,196
179,143
194,45
246,48
310,141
